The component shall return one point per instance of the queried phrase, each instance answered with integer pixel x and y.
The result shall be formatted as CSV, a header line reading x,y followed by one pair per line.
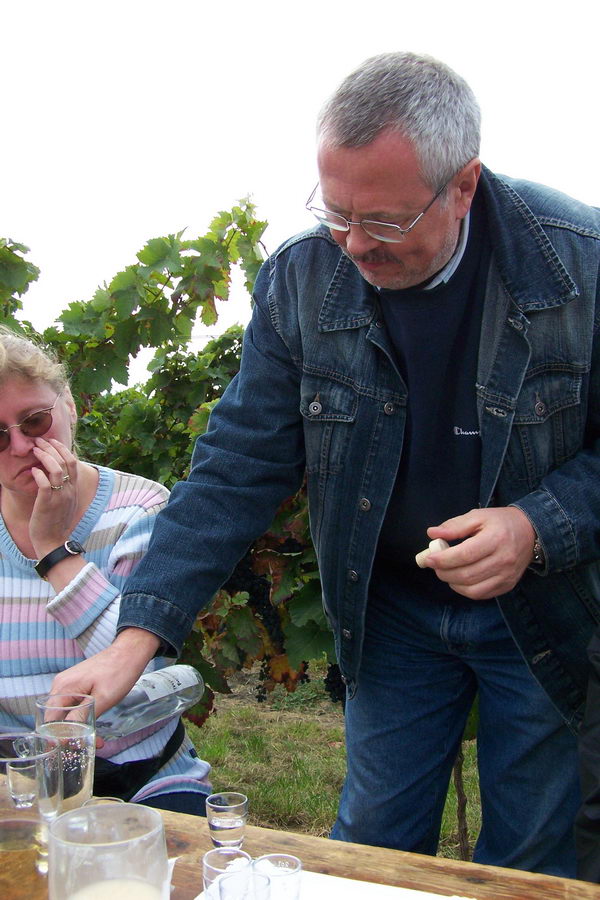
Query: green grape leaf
x,y
307,606
308,642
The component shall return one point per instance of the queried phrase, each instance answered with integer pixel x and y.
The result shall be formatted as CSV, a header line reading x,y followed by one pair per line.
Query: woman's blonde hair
x,y
21,357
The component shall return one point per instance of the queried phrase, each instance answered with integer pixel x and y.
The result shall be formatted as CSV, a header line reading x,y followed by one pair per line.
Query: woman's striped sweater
x,y
42,633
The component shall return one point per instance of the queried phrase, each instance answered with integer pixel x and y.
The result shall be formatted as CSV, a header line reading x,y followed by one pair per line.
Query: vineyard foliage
x,y
270,609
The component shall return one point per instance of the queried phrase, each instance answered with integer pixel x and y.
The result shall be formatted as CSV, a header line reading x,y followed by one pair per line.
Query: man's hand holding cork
x,y
495,547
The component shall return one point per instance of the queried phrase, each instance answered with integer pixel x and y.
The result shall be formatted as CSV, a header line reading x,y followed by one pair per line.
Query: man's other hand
x,y
496,547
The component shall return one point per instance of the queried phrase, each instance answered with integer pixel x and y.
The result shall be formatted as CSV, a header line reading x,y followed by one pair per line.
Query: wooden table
x,y
187,839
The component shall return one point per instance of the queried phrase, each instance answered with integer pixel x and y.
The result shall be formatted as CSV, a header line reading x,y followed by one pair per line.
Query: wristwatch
x,y
538,558
69,548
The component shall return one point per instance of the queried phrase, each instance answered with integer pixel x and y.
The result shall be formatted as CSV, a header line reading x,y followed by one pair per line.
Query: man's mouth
x,y
373,260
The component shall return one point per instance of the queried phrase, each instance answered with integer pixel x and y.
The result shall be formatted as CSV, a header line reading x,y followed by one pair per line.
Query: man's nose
x,y
358,242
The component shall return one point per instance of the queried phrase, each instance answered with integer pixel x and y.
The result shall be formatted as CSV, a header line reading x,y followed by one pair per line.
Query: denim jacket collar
x,y
528,265
349,301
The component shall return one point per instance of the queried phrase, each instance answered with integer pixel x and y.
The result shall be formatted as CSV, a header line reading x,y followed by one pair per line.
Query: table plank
x,y
187,838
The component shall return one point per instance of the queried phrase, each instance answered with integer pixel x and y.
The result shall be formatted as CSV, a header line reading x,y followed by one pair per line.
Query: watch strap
x,y
69,548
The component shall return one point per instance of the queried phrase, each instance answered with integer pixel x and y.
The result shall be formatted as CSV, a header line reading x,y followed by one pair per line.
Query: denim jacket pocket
x,y
328,409
547,427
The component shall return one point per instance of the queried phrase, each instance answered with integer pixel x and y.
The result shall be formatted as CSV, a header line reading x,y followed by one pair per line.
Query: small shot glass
x,y
245,885
226,814
219,862
284,872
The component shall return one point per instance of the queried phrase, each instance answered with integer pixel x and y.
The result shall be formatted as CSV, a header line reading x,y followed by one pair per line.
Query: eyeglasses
x,y
34,425
380,231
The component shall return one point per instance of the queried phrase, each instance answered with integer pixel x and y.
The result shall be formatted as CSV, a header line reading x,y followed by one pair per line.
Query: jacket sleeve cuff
x,y
160,617
554,529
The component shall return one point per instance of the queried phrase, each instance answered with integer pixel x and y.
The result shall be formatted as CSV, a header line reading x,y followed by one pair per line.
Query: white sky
x,y
123,120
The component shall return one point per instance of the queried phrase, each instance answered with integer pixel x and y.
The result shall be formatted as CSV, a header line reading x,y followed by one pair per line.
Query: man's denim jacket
x,y
319,391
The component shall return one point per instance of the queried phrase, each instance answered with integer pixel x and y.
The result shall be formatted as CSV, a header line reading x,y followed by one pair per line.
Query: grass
x,y
288,755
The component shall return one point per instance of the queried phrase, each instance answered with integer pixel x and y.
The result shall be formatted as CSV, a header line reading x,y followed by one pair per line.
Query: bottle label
x,y
167,681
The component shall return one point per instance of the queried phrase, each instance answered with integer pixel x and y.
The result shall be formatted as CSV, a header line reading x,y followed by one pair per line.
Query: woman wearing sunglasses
x,y
70,533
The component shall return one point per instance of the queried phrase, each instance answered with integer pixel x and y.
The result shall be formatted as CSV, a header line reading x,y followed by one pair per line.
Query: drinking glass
x,y
226,814
71,719
248,884
218,862
113,850
94,801
284,871
30,798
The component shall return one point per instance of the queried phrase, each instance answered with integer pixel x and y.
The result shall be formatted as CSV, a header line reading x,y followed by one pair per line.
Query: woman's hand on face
x,y
51,520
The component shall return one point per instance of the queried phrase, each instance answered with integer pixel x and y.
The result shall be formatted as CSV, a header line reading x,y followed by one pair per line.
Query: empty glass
x,y
248,884
115,850
30,795
71,719
218,862
284,872
226,814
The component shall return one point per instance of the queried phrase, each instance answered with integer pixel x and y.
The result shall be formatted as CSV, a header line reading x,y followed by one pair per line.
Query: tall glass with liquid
x,y
71,719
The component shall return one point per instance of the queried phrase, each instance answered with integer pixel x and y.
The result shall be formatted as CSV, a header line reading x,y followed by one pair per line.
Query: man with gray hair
x,y
426,355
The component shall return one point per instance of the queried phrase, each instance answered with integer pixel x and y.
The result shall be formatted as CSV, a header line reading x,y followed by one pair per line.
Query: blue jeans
x,y
422,665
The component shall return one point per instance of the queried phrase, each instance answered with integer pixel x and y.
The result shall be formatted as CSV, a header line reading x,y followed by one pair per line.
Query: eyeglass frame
x,y
388,240
36,412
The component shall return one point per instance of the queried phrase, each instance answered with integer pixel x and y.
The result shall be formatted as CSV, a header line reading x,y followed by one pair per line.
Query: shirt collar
x,y
445,274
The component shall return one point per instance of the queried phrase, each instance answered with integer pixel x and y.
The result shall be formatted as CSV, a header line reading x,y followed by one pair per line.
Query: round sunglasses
x,y
34,425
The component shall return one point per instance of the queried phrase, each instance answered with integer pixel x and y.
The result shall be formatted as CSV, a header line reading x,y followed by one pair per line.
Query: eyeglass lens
x,y
381,231
34,425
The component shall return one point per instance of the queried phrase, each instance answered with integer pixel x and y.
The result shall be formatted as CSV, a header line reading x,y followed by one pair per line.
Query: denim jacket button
x,y
346,633
352,575
540,408
365,504
388,409
315,408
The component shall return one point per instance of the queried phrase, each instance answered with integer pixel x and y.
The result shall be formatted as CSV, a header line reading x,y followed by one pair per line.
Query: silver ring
x,y
56,487
66,478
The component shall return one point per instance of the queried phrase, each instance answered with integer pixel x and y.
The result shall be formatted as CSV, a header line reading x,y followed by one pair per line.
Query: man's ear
x,y
464,185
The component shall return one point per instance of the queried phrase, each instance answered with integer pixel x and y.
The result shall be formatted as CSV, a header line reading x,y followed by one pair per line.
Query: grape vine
x,y
258,589
334,685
